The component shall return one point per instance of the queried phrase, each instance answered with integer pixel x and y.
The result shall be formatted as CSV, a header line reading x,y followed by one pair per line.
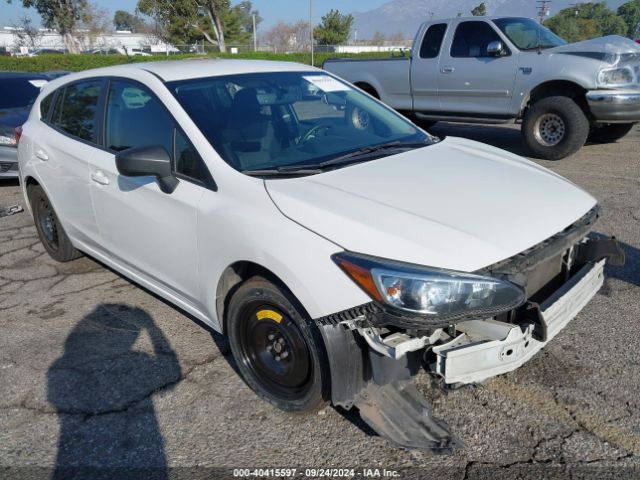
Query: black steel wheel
x,y
278,351
50,230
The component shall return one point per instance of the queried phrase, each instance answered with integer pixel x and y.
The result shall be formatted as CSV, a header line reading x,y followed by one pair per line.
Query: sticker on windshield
x,y
327,83
38,83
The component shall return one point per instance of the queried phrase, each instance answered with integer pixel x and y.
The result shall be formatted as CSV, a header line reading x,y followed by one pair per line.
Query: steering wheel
x,y
312,133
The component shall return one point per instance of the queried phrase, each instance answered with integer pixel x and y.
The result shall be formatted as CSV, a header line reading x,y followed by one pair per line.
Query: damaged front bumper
x,y
373,360
486,348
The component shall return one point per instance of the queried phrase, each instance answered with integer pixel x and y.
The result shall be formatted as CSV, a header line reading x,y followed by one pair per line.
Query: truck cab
x,y
511,69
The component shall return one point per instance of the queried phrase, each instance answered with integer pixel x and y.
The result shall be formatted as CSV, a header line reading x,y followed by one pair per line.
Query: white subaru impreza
x,y
339,247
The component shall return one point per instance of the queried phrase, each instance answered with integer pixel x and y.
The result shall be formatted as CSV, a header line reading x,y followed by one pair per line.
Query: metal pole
x,y
311,27
255,38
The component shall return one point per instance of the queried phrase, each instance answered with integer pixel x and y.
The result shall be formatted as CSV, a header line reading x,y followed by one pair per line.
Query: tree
x,y
184,19
480,10
27,34
246,12
288,37
630,14
585,21
62,15
334,28
378,39
93,23
123,20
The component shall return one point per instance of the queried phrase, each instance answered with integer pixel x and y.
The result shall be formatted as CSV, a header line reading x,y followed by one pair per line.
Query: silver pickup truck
x,y
506,69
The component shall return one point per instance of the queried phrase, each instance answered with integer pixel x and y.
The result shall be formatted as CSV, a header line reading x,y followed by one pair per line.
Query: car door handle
x,y
42,155
447,69
100,178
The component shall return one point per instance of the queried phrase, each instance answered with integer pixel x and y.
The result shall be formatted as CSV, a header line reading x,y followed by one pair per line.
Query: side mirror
x,y
495,49
148,161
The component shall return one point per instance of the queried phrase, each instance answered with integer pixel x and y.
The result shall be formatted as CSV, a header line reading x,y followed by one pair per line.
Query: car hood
x,y
457,204
604,48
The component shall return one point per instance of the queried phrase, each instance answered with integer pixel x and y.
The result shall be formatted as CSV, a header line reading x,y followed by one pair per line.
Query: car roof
x,y
172,70
484,17
25,75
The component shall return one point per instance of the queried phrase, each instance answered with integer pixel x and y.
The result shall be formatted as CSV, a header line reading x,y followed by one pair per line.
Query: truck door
x,y
471,80
424,69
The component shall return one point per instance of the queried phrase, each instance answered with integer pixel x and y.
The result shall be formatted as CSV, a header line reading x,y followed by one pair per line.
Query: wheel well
x,y
233,276
559,88
367,88
29,181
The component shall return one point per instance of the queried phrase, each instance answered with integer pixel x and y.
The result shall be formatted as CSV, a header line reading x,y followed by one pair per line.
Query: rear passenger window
x,y
472,38
75,110
432,41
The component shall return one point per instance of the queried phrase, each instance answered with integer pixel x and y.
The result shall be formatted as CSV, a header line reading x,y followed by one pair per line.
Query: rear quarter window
x,y
45,105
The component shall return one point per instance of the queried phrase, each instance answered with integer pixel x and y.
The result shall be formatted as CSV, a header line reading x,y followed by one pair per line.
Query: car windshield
x,y
23,91
527,34
304,122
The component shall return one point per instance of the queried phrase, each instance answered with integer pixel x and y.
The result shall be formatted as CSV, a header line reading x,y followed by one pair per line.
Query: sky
x,y
271,11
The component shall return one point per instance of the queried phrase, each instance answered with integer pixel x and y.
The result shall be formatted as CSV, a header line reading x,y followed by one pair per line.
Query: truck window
x,y
432,41
472,38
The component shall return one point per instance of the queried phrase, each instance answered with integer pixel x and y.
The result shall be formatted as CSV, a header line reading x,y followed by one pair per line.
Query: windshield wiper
x,y
362,154
367,152
283,171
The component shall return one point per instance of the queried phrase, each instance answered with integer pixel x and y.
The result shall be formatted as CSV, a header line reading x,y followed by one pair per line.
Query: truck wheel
x,y
609,133
50,231
554,128
278,350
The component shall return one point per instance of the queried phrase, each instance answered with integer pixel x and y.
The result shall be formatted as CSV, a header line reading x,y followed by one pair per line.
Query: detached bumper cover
x,y
489,348
615,106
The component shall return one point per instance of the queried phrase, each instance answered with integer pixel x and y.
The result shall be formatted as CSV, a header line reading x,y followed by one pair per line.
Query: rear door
x,y
144,229
471,81
424,69
63,148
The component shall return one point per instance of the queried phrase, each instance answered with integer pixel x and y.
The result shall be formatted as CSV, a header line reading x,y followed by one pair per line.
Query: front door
x,y
472,81
143,229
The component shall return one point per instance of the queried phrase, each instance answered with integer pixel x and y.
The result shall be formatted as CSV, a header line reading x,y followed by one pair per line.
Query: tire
x,y
278,349
609,133
50,231
554,128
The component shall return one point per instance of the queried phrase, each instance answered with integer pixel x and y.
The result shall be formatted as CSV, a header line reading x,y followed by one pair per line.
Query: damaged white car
x,y
338,246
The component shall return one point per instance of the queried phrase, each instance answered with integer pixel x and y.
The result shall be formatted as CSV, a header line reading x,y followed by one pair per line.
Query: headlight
x,y
436,294
7,137
617,77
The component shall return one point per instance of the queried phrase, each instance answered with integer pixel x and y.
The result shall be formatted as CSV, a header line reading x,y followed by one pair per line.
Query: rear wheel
x,y
609,133
279,352
554,128
52,235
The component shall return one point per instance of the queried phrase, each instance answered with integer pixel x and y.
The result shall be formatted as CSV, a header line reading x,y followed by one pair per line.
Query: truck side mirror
x,y
495,49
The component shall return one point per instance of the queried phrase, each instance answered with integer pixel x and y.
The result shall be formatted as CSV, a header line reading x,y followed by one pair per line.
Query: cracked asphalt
x,y
96,372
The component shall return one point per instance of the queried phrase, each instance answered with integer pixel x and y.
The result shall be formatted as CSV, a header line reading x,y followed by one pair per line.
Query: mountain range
x,y
404,16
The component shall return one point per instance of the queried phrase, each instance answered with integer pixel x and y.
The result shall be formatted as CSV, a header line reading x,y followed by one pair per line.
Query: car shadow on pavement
x,y
498,136
114,360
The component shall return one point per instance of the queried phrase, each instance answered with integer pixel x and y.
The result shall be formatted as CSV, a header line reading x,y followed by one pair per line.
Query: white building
x,y
10,39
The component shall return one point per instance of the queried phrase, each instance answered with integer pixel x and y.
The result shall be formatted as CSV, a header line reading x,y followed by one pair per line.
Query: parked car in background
x,y
19,90
504,69
47,51
337,245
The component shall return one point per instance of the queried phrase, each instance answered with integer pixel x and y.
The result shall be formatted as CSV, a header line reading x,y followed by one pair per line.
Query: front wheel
x,y
554,128
278,350
609,133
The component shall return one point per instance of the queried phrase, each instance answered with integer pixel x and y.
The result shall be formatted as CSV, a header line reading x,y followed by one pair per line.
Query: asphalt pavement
x,y
97,372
